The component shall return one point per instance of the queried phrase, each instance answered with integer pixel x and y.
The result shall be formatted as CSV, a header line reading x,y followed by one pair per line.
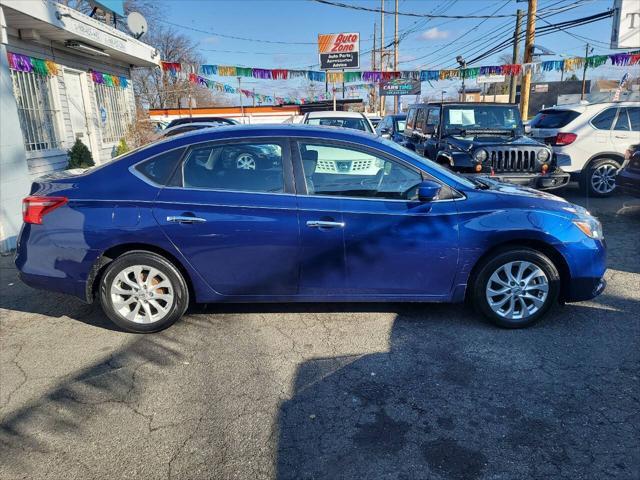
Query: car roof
x,y
334,114
584,106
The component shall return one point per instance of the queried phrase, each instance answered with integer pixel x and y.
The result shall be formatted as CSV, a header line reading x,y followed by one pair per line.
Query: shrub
x,y
122,147
80,156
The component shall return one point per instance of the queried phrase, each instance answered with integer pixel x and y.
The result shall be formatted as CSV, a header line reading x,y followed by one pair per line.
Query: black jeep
x,y
484,139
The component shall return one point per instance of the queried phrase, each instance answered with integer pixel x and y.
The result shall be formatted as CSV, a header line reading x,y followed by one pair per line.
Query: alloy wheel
x,y
142,294
603,178
245,161
517,290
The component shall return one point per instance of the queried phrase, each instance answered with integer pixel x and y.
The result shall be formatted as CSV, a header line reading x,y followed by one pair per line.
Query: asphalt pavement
x,y
355,391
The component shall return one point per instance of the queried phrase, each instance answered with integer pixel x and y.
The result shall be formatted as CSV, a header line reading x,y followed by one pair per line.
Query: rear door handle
x,y
185,219
324,224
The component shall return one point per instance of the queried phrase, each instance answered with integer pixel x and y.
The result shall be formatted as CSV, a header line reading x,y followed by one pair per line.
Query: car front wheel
x,y
142,292
516,287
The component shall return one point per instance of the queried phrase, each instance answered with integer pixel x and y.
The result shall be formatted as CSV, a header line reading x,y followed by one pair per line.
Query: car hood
x,y
525,197
471,142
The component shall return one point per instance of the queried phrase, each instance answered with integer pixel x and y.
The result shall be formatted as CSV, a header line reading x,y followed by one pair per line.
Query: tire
x,y
598,179
246,161
154,303
535,289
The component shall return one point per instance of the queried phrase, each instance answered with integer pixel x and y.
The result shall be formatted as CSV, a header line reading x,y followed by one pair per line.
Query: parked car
x,y
392,127
353,120
173,222
374,119
628,179
217,120
594,137
185,127
482,138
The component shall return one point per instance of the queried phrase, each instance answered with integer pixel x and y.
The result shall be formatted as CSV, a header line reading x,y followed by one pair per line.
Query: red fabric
x,y
511,69
390,75
171,66
193,78
279,74
635,58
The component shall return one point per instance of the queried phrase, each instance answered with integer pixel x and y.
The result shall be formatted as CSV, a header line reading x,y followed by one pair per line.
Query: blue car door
x,y
393,244
231,212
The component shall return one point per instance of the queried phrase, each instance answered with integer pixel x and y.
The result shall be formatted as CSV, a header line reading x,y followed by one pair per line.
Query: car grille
x,y
343,166
512,160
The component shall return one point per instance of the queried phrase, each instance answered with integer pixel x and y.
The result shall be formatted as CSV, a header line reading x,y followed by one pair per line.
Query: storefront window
x,y
35,110
113,112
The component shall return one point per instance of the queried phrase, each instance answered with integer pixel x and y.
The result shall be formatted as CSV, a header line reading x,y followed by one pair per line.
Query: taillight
x,y
35,208
565,138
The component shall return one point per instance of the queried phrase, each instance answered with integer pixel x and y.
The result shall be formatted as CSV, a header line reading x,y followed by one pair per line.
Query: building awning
x,y
46,21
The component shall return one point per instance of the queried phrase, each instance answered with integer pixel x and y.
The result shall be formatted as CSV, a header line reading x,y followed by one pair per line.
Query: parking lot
x,y
328,391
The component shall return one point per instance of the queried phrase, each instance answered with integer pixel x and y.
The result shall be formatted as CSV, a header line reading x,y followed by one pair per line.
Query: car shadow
x,y
455,399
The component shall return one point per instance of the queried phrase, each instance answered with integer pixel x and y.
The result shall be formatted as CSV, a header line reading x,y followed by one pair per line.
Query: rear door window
x,y
604,120
634,117
411,118
554,118
159,168
622,122
239,167
420,117
433,118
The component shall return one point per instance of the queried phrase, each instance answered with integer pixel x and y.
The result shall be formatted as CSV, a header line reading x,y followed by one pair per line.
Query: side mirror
x,y
428,191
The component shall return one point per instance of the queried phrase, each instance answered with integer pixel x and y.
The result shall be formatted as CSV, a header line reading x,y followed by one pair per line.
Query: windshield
x,y
430,164
488,118
355,123
401,124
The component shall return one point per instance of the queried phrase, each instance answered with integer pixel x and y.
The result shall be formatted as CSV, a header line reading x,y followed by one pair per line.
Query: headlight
x,y
480,155
591,227
543,155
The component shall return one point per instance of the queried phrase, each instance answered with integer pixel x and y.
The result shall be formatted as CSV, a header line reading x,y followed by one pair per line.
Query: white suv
x,y
594,137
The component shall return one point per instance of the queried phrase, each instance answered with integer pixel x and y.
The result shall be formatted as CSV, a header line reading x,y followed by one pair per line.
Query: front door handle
x,y
324,224
185,219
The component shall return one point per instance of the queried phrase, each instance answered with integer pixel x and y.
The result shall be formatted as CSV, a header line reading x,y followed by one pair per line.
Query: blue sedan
x,y
326,215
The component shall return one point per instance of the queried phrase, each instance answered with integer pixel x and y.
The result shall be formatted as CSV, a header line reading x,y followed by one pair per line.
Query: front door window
x,y
346,172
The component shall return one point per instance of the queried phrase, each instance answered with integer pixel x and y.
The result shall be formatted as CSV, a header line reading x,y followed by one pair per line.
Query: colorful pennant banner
x,y
567,65
224,88
108,79
25,63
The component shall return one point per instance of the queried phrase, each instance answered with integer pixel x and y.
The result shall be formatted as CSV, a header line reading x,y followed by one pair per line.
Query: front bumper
x,y
582,289
549,181
628,182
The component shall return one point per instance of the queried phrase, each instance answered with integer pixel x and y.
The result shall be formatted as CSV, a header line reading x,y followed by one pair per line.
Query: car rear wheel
x,y
142,292
599,180
515,287
245,161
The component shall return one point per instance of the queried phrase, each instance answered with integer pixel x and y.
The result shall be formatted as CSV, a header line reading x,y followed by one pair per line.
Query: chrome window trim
x,y
290,137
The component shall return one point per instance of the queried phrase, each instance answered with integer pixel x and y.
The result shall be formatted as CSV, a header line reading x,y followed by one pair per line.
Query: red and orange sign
x,y
339,51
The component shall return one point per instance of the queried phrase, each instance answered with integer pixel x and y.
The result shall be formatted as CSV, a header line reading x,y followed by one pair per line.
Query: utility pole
x,y
381,52
374,100
528,56
516,53
395,57
584,72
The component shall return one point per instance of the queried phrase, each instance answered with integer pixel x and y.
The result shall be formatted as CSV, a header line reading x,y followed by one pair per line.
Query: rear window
x,y
554,118
603,120
158,169
354,123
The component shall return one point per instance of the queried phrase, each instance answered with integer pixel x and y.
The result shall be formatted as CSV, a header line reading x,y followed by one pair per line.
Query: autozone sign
x,y
339,50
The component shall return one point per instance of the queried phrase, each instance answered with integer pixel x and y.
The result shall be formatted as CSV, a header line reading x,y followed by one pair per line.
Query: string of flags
x,y
566,65
261,98
25,63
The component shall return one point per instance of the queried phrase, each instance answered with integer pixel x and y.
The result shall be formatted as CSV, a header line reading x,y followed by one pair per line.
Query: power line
x,y
408,14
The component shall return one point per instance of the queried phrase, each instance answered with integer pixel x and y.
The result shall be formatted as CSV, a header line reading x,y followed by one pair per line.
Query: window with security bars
x,y
36,111
118,116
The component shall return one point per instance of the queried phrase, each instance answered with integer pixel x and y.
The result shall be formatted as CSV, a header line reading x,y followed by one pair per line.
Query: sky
x,y
283,33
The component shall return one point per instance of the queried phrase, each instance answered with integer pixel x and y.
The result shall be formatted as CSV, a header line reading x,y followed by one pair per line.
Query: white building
x,y
63,76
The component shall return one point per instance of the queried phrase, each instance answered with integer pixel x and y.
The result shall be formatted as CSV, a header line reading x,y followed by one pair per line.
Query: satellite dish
x,y
137,24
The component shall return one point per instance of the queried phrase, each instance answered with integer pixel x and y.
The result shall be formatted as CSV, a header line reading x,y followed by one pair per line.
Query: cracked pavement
x,y
394,391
